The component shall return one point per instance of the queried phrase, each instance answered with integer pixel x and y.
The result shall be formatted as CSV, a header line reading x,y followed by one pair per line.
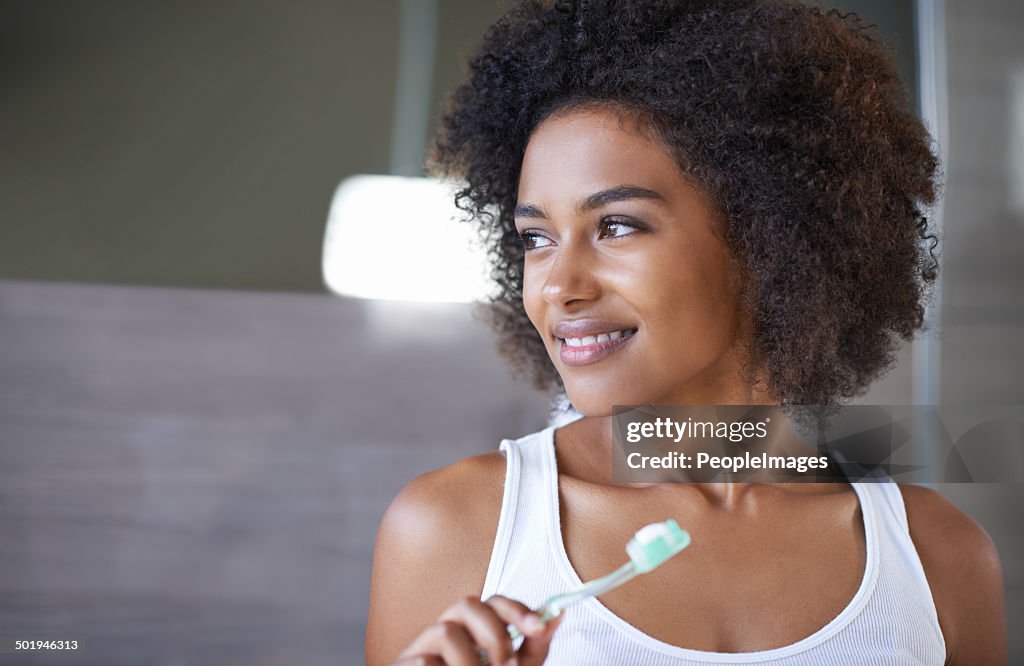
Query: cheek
x,y
533,301
691,298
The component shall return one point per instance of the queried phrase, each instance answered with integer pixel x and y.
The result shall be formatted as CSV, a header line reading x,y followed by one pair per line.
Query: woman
x,y
731,192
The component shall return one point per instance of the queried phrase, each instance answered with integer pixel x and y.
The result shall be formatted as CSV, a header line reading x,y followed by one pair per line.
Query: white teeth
x,y
602,337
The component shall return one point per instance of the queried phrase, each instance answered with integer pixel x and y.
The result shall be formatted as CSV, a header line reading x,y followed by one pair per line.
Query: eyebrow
x,y
595,200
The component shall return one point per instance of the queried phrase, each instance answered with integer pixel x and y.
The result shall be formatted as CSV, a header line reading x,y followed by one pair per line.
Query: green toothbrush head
x,y
655,543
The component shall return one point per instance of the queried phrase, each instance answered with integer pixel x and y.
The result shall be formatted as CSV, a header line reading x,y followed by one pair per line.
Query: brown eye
x,y
614,227
531,240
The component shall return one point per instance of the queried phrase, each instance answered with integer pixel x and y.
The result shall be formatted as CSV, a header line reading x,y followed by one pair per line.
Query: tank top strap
x,y
908,592
891,498
526,509
506,519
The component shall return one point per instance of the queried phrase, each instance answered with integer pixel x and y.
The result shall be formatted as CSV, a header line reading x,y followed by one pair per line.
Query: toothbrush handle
x,y
553,607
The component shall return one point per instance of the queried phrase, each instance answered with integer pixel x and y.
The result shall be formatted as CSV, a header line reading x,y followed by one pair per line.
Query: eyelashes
x,y
608,227
531,240
618,223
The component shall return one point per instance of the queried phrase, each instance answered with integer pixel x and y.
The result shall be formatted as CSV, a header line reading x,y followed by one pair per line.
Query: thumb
x,y
534,649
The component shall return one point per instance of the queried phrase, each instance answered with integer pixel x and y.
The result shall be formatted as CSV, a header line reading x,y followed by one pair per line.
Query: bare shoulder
x,y
947,536
432,549
965,575
450,500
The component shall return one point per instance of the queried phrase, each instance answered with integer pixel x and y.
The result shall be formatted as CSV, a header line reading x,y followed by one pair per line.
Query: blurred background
x,y
197,439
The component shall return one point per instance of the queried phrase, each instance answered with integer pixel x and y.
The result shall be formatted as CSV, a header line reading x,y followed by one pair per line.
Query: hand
x,y
471,627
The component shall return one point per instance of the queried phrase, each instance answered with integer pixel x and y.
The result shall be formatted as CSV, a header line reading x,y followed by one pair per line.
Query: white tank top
x,y
890,620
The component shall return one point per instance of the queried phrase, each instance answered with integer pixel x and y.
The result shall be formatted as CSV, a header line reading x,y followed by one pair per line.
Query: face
x,y
631,289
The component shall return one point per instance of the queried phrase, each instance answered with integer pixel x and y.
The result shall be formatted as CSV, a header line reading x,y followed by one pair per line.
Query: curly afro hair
x,y
792,118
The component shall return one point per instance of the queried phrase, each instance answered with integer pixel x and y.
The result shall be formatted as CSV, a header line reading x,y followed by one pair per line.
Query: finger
x,y
520,616
486,626
448,640
457,647
534,649
420,660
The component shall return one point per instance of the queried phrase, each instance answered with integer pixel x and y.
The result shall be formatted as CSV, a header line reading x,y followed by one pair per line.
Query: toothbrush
x,y
649,548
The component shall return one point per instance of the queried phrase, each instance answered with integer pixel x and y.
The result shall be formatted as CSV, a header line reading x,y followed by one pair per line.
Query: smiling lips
x,y
587,341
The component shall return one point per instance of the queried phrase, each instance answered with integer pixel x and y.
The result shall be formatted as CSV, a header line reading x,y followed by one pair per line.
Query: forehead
x,y
593,149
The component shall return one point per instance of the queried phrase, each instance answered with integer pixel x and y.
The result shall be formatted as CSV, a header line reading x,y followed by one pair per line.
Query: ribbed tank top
x,y
890,620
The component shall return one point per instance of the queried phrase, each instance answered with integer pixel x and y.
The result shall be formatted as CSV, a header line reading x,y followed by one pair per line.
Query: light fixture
x,y
398,238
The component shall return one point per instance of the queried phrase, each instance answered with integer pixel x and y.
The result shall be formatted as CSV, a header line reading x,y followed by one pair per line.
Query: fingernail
x,y
533,624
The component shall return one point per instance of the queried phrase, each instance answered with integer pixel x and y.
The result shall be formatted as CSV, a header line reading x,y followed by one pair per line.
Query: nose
x,y
571,276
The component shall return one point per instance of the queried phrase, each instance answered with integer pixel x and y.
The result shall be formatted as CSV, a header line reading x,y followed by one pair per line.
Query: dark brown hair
x,y
791,117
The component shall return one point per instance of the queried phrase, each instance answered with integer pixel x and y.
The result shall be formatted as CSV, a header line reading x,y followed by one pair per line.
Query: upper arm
x,y
965,575
432,549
